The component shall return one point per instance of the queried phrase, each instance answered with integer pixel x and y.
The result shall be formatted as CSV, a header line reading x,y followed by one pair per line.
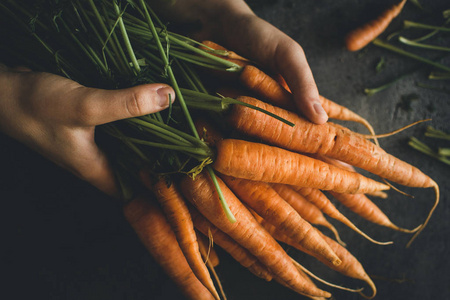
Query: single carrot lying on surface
x,y
178,216
305,208
261,162
362,36
246,231
267,203
152,228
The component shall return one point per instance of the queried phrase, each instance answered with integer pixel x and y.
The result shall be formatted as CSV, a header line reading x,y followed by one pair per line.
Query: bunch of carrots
x,y
251,180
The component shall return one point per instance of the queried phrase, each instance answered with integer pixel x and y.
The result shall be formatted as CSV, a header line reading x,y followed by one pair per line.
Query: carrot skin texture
x,y
239,253
305,208
266,202
246,231
152,228
332,141
179,218
260,162
362,36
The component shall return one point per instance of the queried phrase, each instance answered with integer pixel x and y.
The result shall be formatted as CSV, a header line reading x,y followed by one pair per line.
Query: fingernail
x,y
319,109
164,94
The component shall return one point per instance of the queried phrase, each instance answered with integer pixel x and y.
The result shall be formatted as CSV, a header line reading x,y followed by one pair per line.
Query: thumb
x,y
104,106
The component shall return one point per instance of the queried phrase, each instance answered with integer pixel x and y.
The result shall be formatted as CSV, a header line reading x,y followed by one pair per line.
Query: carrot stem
x,y
411,24
223,201
421,45
380,43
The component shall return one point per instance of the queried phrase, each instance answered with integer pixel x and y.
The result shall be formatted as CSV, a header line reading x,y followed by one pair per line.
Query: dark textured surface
x,y
62,239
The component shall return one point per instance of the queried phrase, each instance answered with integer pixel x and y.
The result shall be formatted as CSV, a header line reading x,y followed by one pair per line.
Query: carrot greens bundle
x,y
250,182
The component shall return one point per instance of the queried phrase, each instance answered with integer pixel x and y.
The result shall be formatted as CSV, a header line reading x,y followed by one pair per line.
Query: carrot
x,y
152,228
319,199
360,203
178,216
364,207
306,209
222,51
278,94
362,36
246,231
306,137
330,141
239,253
350,266
266,202
260,162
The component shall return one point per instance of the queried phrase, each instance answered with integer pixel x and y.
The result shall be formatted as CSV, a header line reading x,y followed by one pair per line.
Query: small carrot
x,y
239,253
350,265
267,203
261,162
152,228
306,209
362,36
246,231
178,216
319,199
364,207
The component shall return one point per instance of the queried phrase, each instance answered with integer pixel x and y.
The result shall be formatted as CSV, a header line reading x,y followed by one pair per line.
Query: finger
x,y
273,49
97,106
294,68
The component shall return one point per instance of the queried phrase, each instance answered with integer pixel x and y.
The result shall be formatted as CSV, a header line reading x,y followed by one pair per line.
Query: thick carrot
x,y
277,93
306,209
319,199
362,36
267,203
306,137
239,253
246,231
260,162
178,216
152,228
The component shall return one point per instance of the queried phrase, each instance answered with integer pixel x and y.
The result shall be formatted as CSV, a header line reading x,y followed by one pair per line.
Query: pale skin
x,y
57,117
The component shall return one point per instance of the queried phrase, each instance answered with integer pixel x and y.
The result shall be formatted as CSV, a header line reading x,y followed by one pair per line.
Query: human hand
x,y
57,117
233,24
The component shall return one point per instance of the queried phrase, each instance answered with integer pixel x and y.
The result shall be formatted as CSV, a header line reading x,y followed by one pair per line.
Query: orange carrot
x,y
306,209
266,202
306,137
319,199
260,162
152,228
222,51
246,231
364,207
239,253
350,265
178,216
362,36
278,94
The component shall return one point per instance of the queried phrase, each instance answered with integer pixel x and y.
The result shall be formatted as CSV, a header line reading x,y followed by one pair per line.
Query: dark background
x,y
62,239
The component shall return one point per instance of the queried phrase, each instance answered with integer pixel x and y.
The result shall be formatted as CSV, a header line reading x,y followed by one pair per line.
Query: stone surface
x,y
64,240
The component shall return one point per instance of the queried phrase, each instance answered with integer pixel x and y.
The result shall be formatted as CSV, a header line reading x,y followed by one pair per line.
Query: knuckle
x,y
137,104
